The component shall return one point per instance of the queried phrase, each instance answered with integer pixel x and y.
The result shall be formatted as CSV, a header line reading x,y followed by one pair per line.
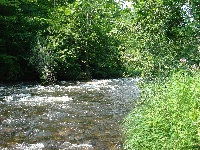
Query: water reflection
x,y
68,115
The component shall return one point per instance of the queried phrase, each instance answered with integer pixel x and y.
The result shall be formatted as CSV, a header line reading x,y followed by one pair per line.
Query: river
x,y
67,115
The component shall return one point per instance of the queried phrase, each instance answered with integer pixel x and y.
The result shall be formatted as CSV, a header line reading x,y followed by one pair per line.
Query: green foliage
x,y
19,22
162,33
78,42
98,39
9,67
167,117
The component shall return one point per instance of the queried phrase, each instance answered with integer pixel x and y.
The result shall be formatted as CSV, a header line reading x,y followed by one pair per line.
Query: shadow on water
x,y
68,115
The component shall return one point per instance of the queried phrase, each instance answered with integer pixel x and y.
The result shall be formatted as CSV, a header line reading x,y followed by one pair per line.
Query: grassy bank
x,y
168,115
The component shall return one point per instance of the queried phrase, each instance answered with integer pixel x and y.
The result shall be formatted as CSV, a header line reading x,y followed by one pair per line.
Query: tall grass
x,y
167,117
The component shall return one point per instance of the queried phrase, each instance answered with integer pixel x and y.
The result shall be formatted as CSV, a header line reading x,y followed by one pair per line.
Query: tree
x,y
162,35
20,20
79,41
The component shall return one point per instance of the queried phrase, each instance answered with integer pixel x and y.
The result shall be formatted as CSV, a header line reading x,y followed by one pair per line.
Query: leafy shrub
x,y
9,68
168,116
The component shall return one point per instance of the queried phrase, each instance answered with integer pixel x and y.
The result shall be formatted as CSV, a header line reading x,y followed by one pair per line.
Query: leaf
x,y
68,11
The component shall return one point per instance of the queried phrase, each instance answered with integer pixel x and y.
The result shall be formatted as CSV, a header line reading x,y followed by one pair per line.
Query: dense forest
x,y
52,40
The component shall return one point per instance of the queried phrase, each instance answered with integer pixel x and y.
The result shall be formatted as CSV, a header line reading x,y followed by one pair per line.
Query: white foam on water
x,y
37,146
29,98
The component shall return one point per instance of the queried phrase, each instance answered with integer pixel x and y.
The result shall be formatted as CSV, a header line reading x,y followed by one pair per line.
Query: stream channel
x,y
66,116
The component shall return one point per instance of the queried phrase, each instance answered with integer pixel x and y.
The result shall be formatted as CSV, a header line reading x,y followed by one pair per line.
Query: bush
x,y
168,116
9,68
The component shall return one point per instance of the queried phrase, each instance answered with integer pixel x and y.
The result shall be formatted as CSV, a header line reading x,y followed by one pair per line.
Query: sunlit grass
x,y
168,116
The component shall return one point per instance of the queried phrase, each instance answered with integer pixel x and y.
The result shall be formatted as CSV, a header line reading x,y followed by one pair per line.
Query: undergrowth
x,y
168,115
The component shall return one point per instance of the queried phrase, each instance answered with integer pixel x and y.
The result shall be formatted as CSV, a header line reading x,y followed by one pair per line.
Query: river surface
x,y
66,115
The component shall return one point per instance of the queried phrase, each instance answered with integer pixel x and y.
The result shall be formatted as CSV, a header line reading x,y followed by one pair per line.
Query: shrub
x,y
9,68
168,116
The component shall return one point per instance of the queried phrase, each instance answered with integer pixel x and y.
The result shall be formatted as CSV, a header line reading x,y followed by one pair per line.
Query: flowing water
x,y
67,115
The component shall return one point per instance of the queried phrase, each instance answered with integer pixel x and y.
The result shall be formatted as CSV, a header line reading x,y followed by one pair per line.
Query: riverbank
x,y
168,116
